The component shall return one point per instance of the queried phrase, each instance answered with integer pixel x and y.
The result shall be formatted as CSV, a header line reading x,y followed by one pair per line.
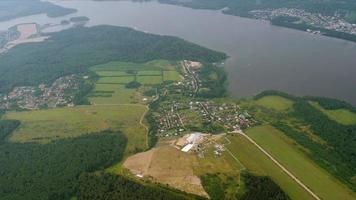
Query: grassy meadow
x,y
289,155
44,126
342,116
275,102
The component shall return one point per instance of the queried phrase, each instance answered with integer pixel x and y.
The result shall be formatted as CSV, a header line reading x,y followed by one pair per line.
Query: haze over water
x,y
261,56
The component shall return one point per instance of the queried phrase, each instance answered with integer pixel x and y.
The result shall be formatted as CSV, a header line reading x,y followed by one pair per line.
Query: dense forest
x,y
34,171
20,8
262,188
113,187
77,49
338,155
254,187
341,138
6,127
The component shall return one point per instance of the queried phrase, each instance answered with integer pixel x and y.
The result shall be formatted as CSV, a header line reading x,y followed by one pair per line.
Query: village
x,y
194,120
335,22
60,93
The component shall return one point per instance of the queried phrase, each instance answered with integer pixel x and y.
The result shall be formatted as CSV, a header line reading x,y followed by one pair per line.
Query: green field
x,y
275,102
112,73
258,164
44,126
113,76
149,73
149,80
112,94
171,76
115,80
284,150
342,116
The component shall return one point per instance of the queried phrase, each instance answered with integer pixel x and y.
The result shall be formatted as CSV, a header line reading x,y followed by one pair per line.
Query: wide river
x,y
261,56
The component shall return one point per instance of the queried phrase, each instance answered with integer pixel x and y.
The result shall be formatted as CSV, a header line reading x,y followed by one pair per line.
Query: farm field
x,y
259,164
112,94
44,126
149,80
115,80
171,76
342,116
113,77
282,148
275,102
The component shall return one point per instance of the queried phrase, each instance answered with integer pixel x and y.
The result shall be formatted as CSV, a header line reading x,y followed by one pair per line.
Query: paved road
x,y
281,166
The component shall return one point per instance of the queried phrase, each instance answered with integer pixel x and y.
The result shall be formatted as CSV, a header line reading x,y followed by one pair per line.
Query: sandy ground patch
x,y
167,165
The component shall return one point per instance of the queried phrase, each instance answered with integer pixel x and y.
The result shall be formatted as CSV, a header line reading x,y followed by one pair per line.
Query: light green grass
x,y
171,76
342,116
113,73
282,148
123,66
149,73
120,95
47,125
275,102
259,164
115,80
149,80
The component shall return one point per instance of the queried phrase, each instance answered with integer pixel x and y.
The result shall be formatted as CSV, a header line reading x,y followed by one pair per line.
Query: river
x,y
261,56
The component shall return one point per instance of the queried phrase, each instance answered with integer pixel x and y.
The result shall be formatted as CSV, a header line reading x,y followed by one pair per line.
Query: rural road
x,y
281,166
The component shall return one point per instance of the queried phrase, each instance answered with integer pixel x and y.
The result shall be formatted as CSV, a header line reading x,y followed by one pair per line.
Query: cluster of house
x,y
335,22
170,121
191,83
229,115
60,93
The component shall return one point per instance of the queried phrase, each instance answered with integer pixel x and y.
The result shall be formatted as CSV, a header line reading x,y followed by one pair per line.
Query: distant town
x,y
335,22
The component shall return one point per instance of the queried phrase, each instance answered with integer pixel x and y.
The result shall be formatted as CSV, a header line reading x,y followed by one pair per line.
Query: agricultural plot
x,y
115,80
275,102
113,77
149,73
259,164
149,80
282,148
44,126
342,116
112,94
112,73
171,76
